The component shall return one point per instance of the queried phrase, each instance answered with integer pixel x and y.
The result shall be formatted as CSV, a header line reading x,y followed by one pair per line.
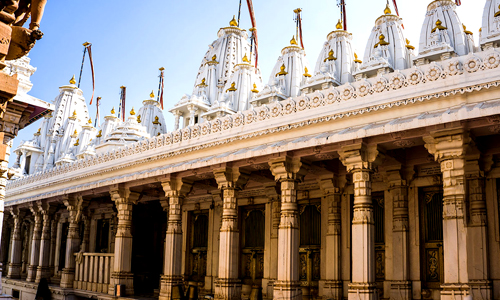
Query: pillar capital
x,y
176,186
230,177
121,194
327,185
288,168
361,156
447,144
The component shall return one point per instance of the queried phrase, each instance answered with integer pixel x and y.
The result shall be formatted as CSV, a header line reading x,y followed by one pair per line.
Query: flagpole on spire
x,y
97,104
341,4
239,14
121,108
298,25
83,61
159,98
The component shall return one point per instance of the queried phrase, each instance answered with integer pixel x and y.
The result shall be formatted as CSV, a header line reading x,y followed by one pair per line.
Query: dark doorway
x,y
148,231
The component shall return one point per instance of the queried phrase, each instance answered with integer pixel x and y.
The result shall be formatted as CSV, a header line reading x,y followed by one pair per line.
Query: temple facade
x,y
359,180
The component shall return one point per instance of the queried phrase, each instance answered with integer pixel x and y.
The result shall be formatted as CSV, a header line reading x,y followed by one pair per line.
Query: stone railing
x,y
457,75
92,271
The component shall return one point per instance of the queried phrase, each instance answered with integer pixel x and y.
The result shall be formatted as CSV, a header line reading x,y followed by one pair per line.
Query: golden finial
x,y
481,28
387,9
74,113
39,130
139,119
232,88
75,133
158,134
356,60
233,22
156,121
214,58
293,41
162,69
132,112
381,41
438,26
408,46
339,25
466,31
245,59
113,111
89,121
99,134
255,90
77,142
152,95
72,80
306,72
330,56
497,13
282,71
202,84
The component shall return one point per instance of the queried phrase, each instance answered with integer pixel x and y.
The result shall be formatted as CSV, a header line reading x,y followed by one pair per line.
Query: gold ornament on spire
x,y
74,113
245,59
202,84
77,142
356,59
293,41
408,46
467,31
113,111
387,10
233,22
330,56
152,95
497,13
232,88
156,121
89,121
381,41
438,26
132,112
75,133
139,119
255,90
339,25
99,134
306,72
72,80
282,71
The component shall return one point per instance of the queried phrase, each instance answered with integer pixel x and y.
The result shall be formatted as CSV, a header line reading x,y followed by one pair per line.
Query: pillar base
x,y
228,289
31,273
124,278
454,291
67,278
166,284
480,289
362,291
14,271
401,290
332,289
42,272
287,290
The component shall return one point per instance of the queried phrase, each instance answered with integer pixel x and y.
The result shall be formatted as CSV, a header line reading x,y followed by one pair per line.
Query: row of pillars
x,y
361,160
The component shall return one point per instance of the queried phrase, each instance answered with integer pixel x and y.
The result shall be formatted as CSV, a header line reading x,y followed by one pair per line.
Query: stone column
x,y
43,270
86,233
228,285
177,115
477,235
175,189
449,148
16,244
360,160
192,112
59,237
288,171
398,189
53,243
122,273
333,282
273,208
74,204
35,242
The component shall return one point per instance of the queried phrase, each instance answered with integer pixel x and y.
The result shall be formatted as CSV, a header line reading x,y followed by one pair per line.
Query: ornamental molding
x,y
328,105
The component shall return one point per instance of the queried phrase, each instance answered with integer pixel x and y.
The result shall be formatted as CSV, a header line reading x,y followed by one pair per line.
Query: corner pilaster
x,y
16,244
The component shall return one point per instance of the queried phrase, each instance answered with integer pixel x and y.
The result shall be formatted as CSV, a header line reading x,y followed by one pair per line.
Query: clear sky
x,y
132,39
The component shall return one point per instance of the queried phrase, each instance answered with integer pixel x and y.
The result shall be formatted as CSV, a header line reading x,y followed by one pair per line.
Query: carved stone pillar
x,y
86,233
57,251
273,208
477,235
53,243
288,171
228,286
35,242
74,205
398,189
16,244
361,160
122,273
43,270
333,282
175,189
449,148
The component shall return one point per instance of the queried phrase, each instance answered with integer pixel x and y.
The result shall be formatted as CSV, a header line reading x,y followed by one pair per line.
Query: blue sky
x,y
132,39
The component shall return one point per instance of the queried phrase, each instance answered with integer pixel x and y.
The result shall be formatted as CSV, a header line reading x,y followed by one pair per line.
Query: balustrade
x,y
92,271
